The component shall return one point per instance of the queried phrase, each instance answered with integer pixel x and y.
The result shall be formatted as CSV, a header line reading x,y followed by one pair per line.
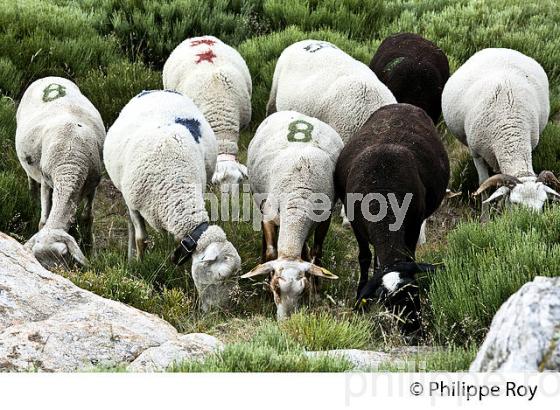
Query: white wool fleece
x,y
295,155
160,153
59,143
217,79
497,104
318,79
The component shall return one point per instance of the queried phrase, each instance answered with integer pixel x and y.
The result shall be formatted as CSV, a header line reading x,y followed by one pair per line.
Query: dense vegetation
x,y
115,48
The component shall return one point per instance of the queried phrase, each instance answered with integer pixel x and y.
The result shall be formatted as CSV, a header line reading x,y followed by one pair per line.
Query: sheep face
x,y
529,193
289,282
288,285
55,247
399,292
212,271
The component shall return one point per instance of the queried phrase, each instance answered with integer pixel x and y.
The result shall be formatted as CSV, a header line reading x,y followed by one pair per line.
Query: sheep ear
x,y
429,268
262,269
75,251
450,194
211,253
320,272
501,191
552,194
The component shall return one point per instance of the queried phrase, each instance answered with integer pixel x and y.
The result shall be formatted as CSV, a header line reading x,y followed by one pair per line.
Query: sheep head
x,y
55,247
213,270
396,288
531,192
289,280
228,172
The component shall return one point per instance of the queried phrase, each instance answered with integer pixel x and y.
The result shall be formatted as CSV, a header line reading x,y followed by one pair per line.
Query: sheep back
x,y
398,150
217,79
52,115
414,69
496,75
318,79
159,153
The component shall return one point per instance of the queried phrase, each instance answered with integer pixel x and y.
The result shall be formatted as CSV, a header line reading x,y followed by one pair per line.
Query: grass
x,y
115,48
487,263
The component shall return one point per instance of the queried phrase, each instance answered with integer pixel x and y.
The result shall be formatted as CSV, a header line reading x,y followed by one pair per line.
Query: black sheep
x,y
397,152
414,69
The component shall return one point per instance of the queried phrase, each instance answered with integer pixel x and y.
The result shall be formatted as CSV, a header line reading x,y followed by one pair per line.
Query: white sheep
x,y
497,104
291,161
159,153
59,142
216,78
318,79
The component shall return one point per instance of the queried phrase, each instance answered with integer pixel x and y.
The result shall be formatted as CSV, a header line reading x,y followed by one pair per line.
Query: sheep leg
x,y
46,203
34,188
318,240
131,240
305,252
140,234
364,258
483,175
269,245
86,222
317,252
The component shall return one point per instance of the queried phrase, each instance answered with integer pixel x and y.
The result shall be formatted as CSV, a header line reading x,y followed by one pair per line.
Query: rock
x,y
194,346
368,360
49,324
525,332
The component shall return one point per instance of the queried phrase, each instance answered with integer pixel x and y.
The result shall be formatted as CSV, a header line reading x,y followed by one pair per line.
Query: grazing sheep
x,y
217,79
159,153
59,143
497,105
291,162
397,154
318,79
414,69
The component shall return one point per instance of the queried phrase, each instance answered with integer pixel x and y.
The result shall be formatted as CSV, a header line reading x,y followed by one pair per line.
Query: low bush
x,y
485,264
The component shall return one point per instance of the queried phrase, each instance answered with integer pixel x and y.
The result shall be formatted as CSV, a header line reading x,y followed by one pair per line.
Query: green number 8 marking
x,y
300,131
53,91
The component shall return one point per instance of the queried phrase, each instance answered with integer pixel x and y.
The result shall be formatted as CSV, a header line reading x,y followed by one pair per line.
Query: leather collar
x,y
190,241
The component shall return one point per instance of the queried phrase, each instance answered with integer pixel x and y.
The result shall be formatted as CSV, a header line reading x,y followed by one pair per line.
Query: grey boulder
x,y
525,332
49,324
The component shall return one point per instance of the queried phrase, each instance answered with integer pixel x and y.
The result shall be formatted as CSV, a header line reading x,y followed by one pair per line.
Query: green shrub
x,y
19,213
487,263
356,19
152,29
271,350
452,359
111,88
40,39
322,331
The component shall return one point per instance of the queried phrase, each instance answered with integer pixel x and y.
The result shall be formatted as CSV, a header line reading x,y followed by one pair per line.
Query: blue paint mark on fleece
x,y
192,125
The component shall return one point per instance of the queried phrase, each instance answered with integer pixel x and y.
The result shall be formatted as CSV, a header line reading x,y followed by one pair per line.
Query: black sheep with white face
x,y
414,69
398,154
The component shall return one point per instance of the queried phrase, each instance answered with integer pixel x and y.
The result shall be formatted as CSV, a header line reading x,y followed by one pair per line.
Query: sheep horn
x,y
549,179
320,272
497,180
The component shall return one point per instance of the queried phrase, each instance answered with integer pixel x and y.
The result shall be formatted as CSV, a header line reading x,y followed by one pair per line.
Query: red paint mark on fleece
x,y
206,56
207,41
